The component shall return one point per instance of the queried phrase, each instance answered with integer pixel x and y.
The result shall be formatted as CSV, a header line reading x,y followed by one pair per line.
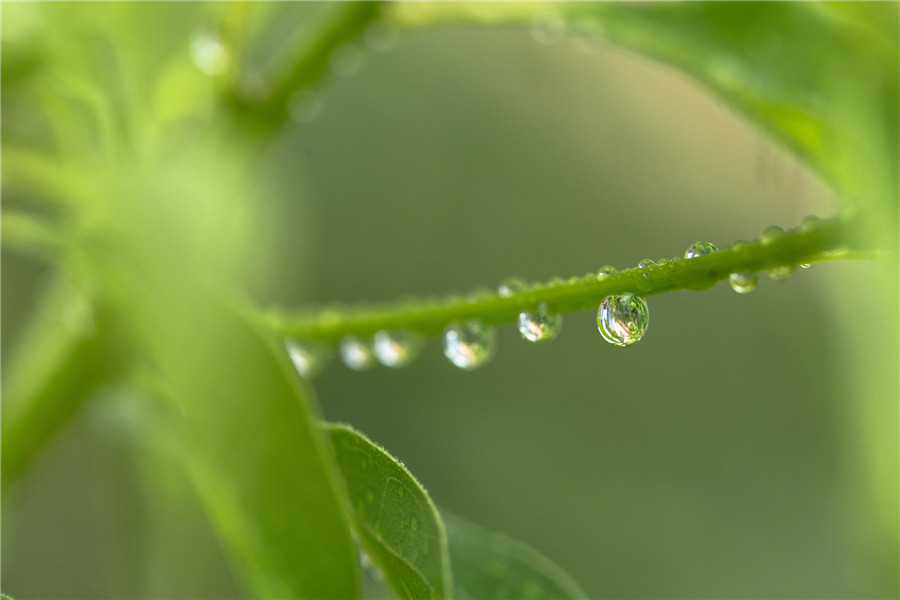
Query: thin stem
x,y
821,242
339,24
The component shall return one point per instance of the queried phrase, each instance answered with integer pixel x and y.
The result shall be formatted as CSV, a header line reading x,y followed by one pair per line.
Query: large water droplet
x,y
782,273
623,320
700,249
356,353
539,326
510,286
397,348
770,234
308,359
604,272
469,345
743,283
208,53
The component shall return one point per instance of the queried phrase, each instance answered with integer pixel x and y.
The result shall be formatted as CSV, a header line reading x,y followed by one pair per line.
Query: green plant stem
x,y
823,242
61,361
340,23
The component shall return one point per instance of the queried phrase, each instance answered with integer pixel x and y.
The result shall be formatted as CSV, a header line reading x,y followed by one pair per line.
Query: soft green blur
x,y
730,453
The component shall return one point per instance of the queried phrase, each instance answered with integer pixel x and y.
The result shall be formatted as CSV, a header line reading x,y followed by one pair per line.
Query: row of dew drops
x,y
622,320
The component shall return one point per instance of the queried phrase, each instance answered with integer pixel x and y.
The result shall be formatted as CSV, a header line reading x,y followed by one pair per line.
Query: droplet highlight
x,y
208,53
805,265
539,326
308,359
743,283
397,348
356,354
623,320
782,273
511,286
700,249
469,345
604,272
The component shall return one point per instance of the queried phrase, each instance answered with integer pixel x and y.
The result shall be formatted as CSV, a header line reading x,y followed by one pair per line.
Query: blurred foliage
x,y
146,154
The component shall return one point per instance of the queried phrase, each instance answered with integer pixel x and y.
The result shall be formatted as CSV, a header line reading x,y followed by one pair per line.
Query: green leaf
x,y
822,78
395,519
490,566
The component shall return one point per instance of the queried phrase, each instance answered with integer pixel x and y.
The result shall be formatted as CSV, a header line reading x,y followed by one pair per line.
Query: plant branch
x,y
339,24
820,242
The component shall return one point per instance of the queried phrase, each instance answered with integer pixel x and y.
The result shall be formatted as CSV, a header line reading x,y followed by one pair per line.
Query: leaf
x,y
822,78
490,566
245,419
395,519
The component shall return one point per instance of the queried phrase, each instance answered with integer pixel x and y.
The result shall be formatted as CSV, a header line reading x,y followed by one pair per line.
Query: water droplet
x,y
397,348
305,106
556,282
511,286
743,283
604,272
740,245
805,265
548,28
356,353
469,345
208,53
770,234
478,294
345,60
782,273
646,263
811,222
308,358
573,280
540,325
623,320
700,249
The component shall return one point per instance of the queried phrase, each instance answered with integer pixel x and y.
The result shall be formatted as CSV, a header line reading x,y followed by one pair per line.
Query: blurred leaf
x,y
820,77
64,357
396,521
490,566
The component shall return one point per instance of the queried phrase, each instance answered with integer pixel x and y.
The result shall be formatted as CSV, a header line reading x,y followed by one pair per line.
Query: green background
x,y
719,457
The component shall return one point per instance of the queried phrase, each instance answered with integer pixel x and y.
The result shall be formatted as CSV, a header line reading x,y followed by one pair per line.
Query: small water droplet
x,y
782,273
208,53
345,60
414,525
811,222
308,358
623,320
700,249
356,353
805,265
539,326
305,106
743,283
510,286
477,295
662,262
646,263
548,28
770,234
573,280
397,348
365,561
556,282
469,345
604,272
740,245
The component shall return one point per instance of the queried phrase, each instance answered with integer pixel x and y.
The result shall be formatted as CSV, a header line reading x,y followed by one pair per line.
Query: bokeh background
x,y
725,455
